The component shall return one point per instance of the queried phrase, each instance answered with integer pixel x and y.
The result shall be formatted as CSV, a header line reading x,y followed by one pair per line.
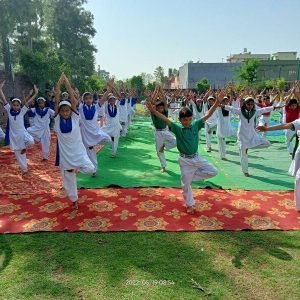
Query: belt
x,y
188,156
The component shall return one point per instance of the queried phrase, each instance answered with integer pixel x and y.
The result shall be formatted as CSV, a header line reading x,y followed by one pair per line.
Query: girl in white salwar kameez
x,y
112,124
92,134
71,153
19,138
123,114
40,131
211,123
224,128
247,136
295,165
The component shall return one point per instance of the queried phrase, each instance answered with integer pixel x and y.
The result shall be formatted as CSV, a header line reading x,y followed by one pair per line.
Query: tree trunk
x,y
5,53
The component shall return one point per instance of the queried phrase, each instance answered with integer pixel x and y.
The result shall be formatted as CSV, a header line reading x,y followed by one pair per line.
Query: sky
x,y
135,36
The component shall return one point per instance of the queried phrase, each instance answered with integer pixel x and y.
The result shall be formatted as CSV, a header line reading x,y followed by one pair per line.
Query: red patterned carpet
x,y
36,202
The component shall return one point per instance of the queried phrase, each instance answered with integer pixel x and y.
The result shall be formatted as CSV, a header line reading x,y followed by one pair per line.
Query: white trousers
x,y
208,134
92,154
124,128
244,160
163,137
297,190
288,139
222,147
264,121
193,169
22,160
70,183
114,145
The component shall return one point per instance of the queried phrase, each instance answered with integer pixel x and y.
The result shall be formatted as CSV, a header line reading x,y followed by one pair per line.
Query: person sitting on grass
x,y
192,166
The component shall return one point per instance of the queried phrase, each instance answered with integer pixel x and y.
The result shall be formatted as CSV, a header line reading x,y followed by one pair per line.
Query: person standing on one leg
x,y
247,136
71,153
91,132
192,166
295,165
164,140
17,136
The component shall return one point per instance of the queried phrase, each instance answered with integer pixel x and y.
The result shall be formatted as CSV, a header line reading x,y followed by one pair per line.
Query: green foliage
x,y
137,83
94,84
48,36
270,84
159,74
248,71
150,86
202,85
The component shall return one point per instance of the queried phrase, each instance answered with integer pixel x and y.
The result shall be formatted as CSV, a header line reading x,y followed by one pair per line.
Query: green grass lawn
x,y
156,265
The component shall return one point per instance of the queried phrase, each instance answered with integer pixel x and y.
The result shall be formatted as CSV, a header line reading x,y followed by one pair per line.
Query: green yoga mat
x,y
137,165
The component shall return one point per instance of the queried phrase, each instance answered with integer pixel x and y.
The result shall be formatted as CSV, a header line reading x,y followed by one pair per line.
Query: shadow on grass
x,y
6,253
111,261
247,242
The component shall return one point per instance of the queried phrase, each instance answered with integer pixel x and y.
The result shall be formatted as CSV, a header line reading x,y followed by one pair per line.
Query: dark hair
x,y
293,101
159,104
185,113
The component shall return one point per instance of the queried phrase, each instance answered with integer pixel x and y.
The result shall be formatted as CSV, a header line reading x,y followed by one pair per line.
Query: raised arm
x,y
152,109
74,101
57,93
2,96
32,98
213,108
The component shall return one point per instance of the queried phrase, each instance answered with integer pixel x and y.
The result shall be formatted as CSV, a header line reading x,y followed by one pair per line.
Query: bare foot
x,y
75,205
190,210
162,149
163,170
247,174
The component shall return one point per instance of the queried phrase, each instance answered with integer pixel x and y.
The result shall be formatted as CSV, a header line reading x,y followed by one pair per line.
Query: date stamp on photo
x,y
151,282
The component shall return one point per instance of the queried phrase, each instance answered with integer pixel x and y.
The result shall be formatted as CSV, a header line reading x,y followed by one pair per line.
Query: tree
x,y
137,83
202,86
159,74
248,71
147,78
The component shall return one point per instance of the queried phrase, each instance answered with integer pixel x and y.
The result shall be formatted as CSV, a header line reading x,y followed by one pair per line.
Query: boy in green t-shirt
x,y
164,140
193,167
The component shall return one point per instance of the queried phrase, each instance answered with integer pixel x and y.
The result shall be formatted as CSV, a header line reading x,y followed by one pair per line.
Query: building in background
x,y
217,74
284,56
277,65
275,69
241,57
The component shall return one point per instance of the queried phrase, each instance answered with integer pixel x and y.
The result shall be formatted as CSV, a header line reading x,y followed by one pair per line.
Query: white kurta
x,y
123,109
2,134
224,127
91,132
41,124
19,138
196,114
295,165
212,120
247,136
72,153
112,124
295,168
